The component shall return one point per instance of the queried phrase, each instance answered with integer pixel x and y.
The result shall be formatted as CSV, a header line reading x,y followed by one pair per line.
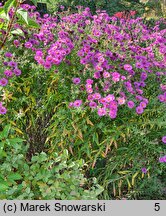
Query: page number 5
x,y
157,207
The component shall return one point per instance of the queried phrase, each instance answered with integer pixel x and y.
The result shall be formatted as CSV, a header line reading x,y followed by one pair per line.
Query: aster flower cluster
x,y
57,52
119,68
11,69
116,65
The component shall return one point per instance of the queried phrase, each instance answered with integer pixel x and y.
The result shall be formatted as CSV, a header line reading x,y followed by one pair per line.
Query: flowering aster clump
x,y
117,58
119,67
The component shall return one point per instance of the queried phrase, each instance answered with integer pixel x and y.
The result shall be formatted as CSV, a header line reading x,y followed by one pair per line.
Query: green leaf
x,y
2,154
3,186
8,5
32,23
5,132
23,15
1,11
15,140
34,2
17,32
48,1
14,176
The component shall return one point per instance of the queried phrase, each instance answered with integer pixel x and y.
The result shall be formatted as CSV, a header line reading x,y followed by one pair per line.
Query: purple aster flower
x,y
5,63
110,98
93,104
97,33
101,111
130,104
138,97
139,65
162,159
144,76
8,73
89,90
47,65
62,7
161,98
123,78
146,100
97,96
97,75
106,74
8,54
113,105
56,61
49,58
121,100
17,71
163,87
3,110
143,104
76,80
99,67
164,139
102,100
16,43
88,86
28,45
77,103
89,81
3,82
112,114
90,97
139,110
101,59
139,91
70,104
12,64
115,76
144,170
127,67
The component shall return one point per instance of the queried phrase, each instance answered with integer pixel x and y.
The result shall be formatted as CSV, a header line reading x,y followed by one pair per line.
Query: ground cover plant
x,y
79,86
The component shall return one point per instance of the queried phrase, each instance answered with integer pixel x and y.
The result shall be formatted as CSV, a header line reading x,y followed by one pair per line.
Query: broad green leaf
x,y
14,176
48,1
32,23
2,154
1,10
3,186
17,32
34,2
5,132
15,140
4,16
8,5
23,14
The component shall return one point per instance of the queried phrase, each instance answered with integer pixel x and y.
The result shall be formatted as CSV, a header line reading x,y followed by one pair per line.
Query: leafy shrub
x,y
45,176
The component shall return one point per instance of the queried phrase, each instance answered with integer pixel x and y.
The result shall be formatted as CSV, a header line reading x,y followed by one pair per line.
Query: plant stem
x,y
10,25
